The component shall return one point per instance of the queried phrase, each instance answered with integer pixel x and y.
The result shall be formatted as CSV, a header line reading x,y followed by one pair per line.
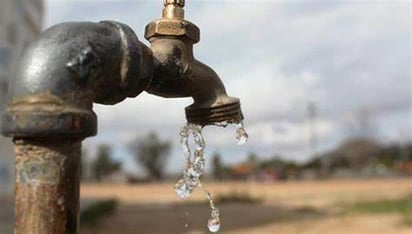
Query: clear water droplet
x,y
213,224
241,135
182,189
186,219
184,131
215,213
222,124
199,164
192,179
192,173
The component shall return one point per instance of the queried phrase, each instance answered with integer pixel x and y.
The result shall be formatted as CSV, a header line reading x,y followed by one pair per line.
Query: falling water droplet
x,y
222,124
195,165
215,212
199,164
182,189
241,135
186,219
213,224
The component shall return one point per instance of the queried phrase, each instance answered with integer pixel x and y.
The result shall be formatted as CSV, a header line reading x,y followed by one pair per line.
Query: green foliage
x,y
401,206
104,165
96,211
151,153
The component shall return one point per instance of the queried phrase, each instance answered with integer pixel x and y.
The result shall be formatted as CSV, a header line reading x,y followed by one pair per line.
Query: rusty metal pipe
x,y
60,76
47,185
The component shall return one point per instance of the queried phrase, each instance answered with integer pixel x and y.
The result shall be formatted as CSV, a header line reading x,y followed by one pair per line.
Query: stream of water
x,y
195,164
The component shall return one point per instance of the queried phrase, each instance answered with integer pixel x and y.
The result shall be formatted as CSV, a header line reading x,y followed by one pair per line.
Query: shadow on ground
x,y
171,218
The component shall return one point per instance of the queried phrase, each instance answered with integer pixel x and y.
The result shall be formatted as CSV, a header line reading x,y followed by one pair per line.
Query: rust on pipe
x,y
47,185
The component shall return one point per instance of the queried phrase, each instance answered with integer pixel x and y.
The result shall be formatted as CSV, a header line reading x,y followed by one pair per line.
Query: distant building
x,y
20,23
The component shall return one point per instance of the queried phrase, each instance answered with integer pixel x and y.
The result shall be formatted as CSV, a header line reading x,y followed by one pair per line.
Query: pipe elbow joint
x,y
70,67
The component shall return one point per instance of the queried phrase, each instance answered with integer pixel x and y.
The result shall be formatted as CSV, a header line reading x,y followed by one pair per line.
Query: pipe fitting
x,y
173,27
71,66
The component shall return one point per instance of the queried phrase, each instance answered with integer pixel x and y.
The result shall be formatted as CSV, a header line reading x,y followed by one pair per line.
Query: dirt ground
x,y
288,207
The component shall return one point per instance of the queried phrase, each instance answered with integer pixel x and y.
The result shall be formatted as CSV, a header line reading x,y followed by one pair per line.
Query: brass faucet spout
x,y
176,73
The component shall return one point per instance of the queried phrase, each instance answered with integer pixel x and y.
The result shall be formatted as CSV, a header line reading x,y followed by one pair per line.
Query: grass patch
x,y
401,206
96,211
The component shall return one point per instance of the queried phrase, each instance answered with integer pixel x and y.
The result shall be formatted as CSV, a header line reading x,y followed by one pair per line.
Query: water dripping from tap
x,y
241,134
195,165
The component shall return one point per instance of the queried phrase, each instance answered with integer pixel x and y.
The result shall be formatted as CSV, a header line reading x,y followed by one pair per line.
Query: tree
x,y
104,164
217,167
151,153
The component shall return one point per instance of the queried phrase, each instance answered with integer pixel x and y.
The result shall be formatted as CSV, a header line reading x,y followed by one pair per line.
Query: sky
x,y
348,58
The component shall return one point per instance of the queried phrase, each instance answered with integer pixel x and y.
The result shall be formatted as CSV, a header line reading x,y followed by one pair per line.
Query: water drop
x,y
213,224
222,124
199,164
182,189
186,219
192,179
184,131
193,173
215,213
241,135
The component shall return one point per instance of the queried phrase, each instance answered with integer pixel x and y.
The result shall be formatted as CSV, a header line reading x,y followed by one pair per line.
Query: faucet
x,y
178,74
70,67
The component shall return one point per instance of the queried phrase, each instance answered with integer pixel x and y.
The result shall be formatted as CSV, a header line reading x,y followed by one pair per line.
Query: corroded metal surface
x,y
47,186
70,67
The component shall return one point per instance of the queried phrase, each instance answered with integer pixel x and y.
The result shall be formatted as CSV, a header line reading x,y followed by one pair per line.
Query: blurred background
x,y
326,90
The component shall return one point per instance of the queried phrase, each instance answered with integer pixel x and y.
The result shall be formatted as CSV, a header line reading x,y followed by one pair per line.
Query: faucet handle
x,y
180,3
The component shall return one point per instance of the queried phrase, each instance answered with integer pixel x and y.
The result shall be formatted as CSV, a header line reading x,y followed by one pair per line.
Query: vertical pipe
x,y
47,185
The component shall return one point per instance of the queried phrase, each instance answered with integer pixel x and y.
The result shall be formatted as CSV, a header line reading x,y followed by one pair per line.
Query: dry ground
x,y
289,207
